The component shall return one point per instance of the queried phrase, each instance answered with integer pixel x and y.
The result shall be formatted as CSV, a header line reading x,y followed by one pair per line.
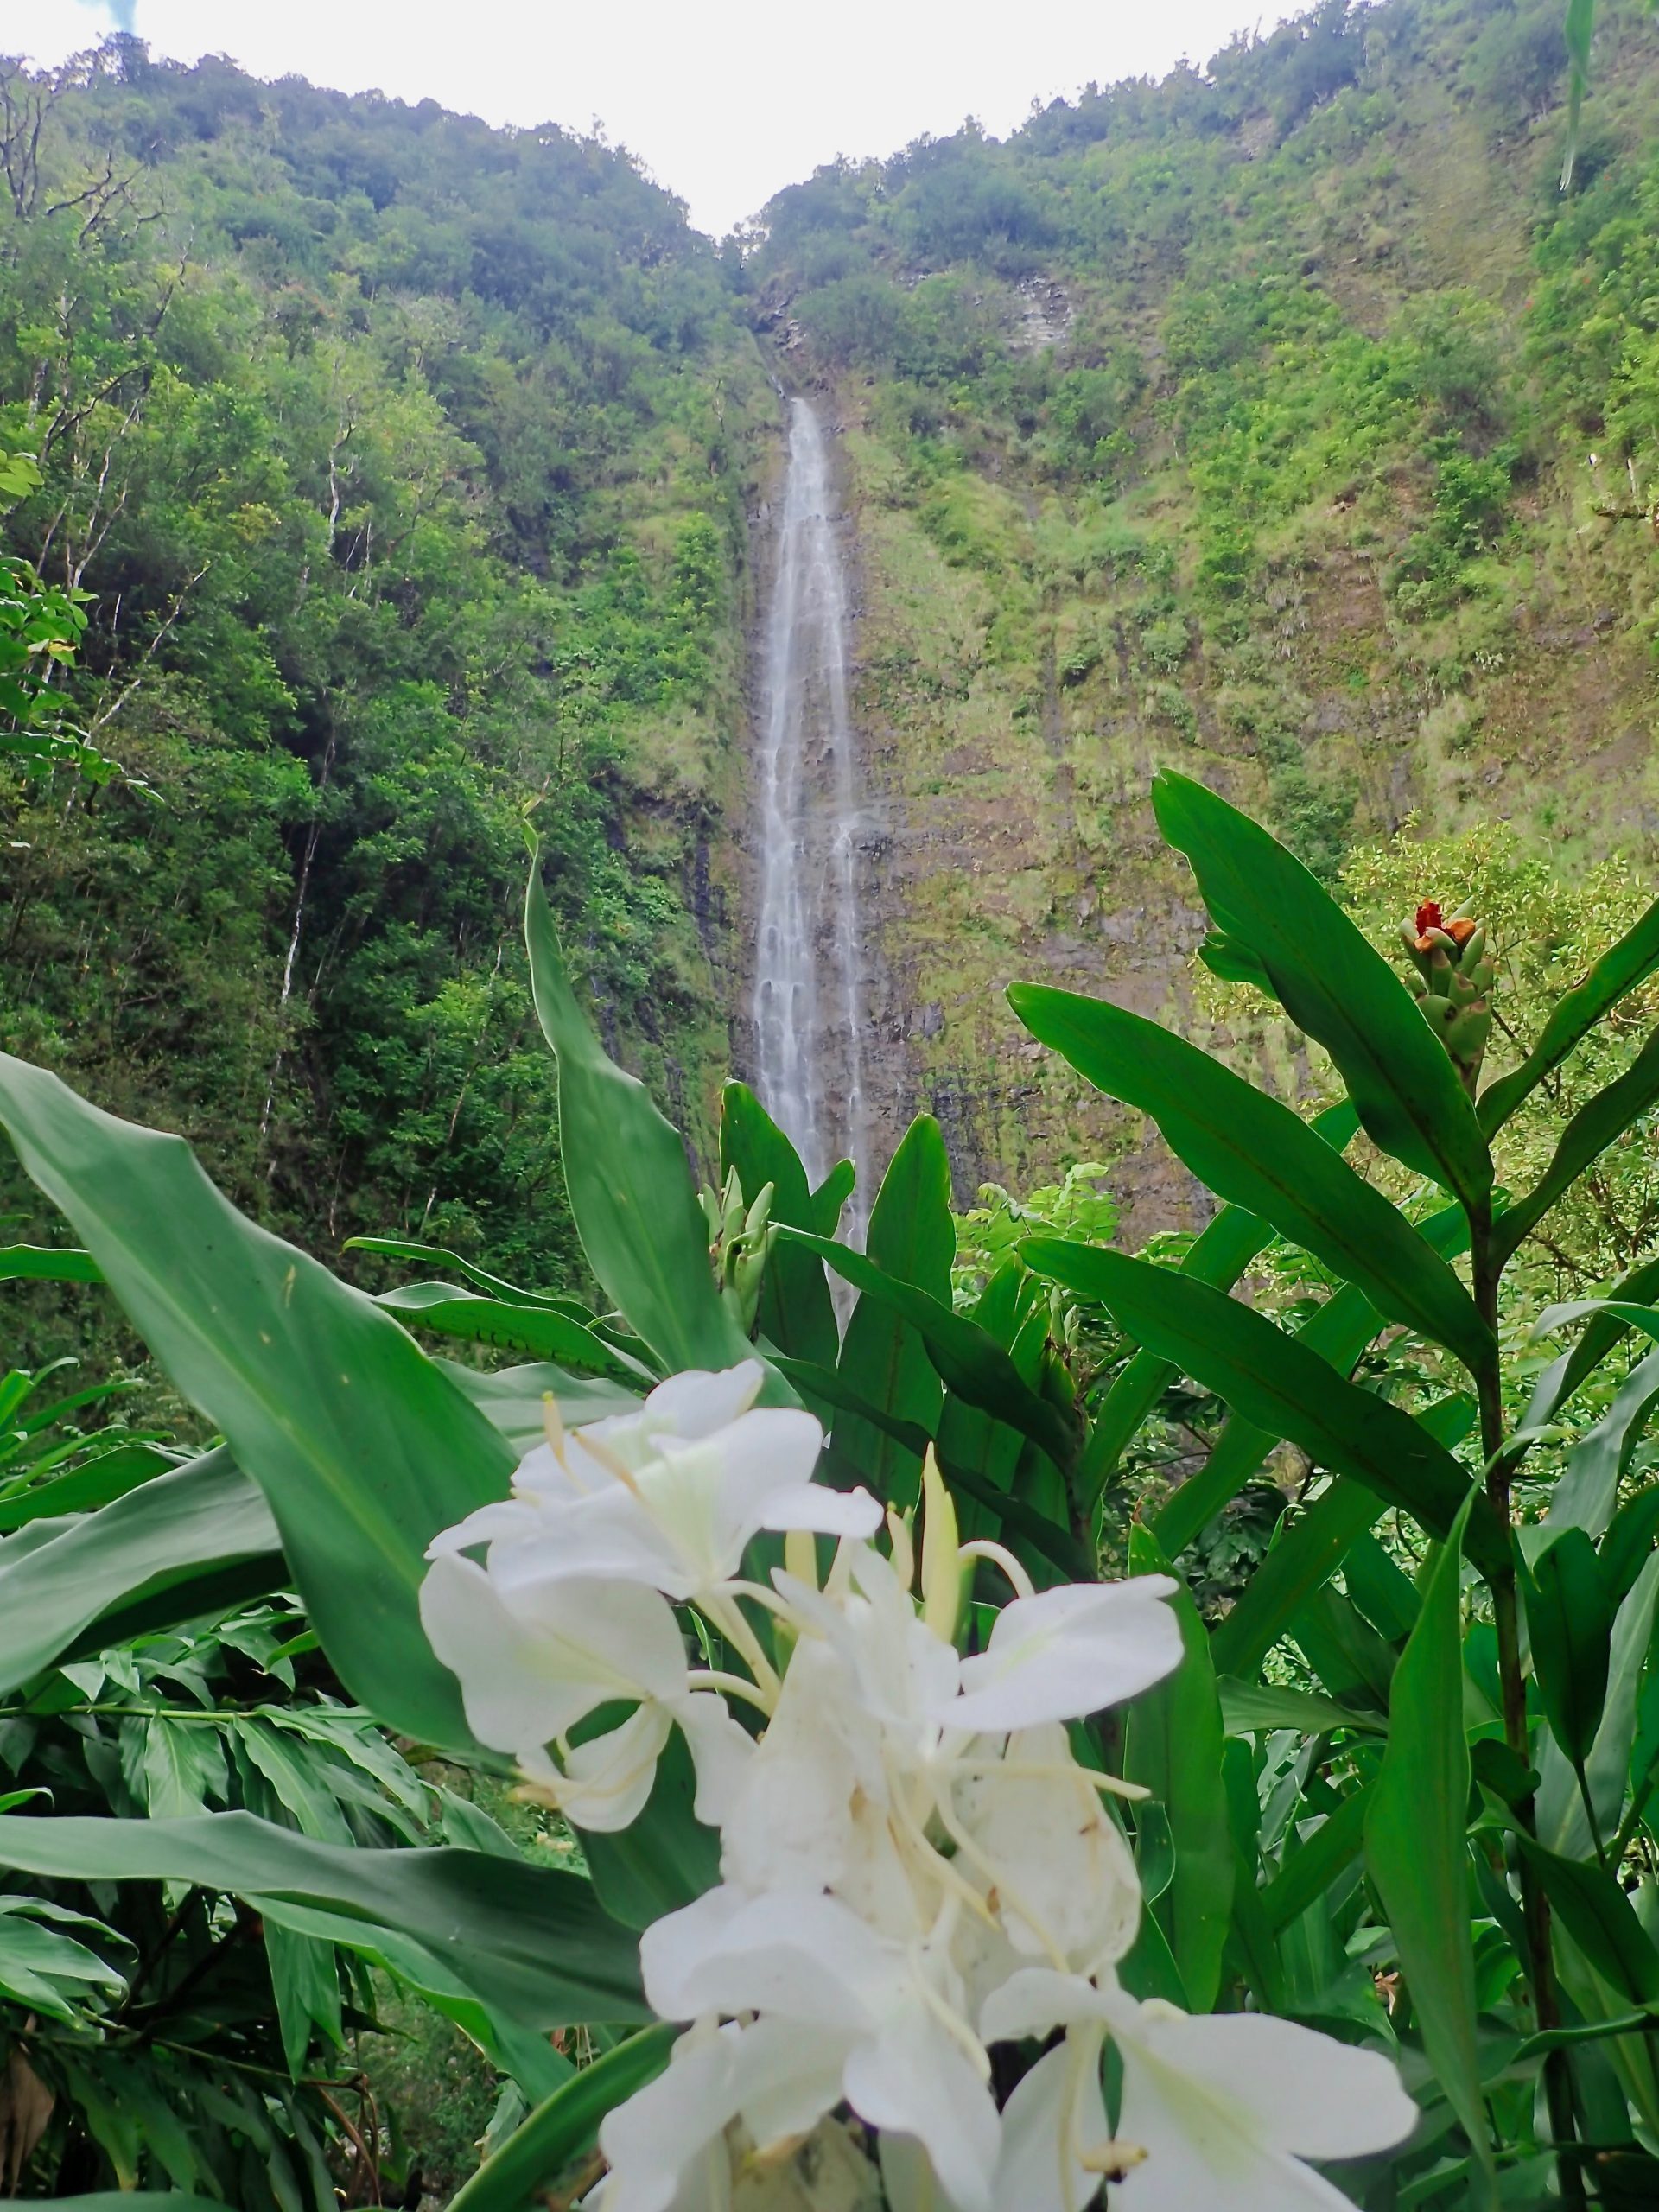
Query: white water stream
x,y
808,997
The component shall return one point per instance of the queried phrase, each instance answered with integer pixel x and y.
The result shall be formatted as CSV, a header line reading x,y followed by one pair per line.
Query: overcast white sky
x,y
724,100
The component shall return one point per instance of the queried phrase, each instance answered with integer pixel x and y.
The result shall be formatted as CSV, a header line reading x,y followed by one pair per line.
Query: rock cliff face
x,y
1280,450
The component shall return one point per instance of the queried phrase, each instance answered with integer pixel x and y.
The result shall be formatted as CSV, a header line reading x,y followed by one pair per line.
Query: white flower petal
x,y
721,1752
917,2078
606,1780
788,2077
666,2144
1305,2093
908,2181
805,1958
607,1536
1068,1652
1037,2000
1056,2111
698,1402
523,1680
509,1518
825,1511
1061,1867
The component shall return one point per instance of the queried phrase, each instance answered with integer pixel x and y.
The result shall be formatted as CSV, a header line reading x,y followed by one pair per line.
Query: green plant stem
x,y
1534,1906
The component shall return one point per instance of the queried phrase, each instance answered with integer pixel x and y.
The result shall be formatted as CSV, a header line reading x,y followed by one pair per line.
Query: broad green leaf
x,y
1562,1823
1248,1708
625,1175
1562,1379
1415,1843
797,1312
364,1448
46,1263
564,2128
1384,1595
1620,968
448,1311
1254,1951
526,1939
58,1579
1339,1330
1256,1153
665,1857
46,1971
513,1399
1598,1916
1218,1256
298,1786
305,1982
137,2200
1314,1864
1569,1627
912,1238
967,1357
511,2047
1585,1137
1309,1553
1019,1521
404,1248
1334,985
1172,1746
1629,1543
100,1482
1350,1659
1586,1490
1275,1382
178,1766
831,1195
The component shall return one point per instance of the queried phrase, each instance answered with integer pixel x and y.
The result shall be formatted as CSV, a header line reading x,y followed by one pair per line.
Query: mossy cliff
x,y
1286,424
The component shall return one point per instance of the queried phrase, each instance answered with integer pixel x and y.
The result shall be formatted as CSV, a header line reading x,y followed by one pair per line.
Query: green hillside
x,y
404,461
1283,422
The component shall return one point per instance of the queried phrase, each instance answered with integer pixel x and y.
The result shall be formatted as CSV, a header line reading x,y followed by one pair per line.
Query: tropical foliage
x,y
1396,1793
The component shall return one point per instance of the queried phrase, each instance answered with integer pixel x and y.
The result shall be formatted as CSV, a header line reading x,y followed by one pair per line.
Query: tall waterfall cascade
x,y
808,1007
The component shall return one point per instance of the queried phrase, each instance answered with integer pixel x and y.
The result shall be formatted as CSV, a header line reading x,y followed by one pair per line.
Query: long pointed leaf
x,y
1274,1381
1415,1840
1173,1745
1587,1136
1334,985
967,1357
363,1447
1218,1256
1620,968
911,1238
560,2131
528,1939
159,1537
797,1312
626,1173
448,1311
1255,1153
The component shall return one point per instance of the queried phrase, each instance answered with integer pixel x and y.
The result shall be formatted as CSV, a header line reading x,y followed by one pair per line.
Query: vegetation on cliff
x,y
400,462
1284,421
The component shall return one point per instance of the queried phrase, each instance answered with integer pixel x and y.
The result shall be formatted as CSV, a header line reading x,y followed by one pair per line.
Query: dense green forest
x,y
379,491
1283,418
403,464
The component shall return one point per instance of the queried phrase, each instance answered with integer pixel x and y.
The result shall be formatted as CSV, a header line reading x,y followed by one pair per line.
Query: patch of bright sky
x,y
725,101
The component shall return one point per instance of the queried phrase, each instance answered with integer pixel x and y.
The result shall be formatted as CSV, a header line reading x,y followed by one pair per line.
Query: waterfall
x,y
808,999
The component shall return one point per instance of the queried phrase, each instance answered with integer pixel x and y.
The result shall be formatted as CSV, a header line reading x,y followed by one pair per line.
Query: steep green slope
x,y
1282,422
406,462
